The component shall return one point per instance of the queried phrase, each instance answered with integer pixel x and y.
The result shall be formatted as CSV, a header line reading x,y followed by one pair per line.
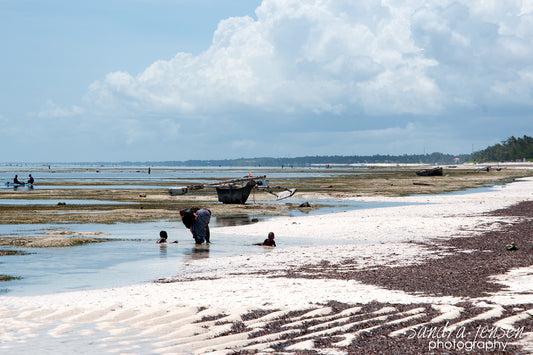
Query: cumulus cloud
x,y
337,56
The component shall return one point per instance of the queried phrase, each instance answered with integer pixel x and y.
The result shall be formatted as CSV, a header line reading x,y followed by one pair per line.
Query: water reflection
x,y
231,221
23,188
163,250
198,252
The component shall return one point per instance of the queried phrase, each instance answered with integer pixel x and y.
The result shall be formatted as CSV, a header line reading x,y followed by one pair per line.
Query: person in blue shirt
x,y
197,220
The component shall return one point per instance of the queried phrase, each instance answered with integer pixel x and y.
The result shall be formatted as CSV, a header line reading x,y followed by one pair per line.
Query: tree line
x,y
513,149
434,158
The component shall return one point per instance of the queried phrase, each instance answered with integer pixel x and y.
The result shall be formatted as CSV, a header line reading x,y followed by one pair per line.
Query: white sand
x,y
160,317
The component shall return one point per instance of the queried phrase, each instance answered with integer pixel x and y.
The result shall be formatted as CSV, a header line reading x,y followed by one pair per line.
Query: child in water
x,y
269,242
163,236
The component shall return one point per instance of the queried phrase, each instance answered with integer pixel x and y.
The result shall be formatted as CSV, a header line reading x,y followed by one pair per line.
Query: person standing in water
x,y
197,221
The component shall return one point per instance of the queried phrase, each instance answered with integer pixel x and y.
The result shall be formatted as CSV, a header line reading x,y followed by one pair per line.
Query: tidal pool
x,y
133,258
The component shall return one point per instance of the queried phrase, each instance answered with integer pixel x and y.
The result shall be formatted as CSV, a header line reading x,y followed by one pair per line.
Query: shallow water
x,y
159,175
135,257
121,262
48,202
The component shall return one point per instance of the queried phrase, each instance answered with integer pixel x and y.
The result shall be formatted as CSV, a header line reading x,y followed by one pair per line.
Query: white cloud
x,y
52,110
299,56
339,56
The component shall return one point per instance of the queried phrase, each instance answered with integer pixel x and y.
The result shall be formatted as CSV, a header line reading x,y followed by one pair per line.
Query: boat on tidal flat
x,y
430,172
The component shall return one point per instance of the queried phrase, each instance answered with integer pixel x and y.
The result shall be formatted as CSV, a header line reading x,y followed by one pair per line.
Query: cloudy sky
x,y
138,80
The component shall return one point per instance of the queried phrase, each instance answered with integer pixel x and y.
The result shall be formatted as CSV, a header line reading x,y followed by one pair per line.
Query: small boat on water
x,y
19,185
430,172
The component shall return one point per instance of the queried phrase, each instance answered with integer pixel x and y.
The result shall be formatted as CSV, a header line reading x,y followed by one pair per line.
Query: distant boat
x,y
430,172
20,184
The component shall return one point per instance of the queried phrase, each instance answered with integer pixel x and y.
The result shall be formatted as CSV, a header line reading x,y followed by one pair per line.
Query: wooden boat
x,y
235,194
233,183
430,172
236,191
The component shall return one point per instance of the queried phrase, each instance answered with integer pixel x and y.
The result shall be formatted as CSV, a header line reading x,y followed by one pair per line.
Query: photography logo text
x,y
484,338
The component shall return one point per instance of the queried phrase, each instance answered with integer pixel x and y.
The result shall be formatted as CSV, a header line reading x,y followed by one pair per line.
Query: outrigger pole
x,y
280,195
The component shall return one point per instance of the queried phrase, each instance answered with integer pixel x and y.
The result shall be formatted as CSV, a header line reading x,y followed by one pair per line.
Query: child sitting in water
x,y
163,238
269,242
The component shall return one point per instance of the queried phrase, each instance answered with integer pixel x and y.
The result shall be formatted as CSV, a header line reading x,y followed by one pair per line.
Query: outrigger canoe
x,y
236,191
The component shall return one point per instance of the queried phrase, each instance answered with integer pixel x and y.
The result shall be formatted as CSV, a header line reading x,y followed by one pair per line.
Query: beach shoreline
x,y
276,302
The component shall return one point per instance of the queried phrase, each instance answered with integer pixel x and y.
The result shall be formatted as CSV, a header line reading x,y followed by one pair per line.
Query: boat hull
x,y
430,172
234,195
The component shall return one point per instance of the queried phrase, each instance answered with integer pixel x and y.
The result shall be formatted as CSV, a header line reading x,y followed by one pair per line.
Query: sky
x,y
159,80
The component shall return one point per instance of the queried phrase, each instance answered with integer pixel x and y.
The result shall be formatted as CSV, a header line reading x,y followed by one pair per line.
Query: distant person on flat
x,y
16,180
30,180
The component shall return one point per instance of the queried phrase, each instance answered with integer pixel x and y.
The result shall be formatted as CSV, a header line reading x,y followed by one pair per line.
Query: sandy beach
x,y
389,289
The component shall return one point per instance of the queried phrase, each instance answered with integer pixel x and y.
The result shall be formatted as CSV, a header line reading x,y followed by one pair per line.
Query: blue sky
x,y
156,80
